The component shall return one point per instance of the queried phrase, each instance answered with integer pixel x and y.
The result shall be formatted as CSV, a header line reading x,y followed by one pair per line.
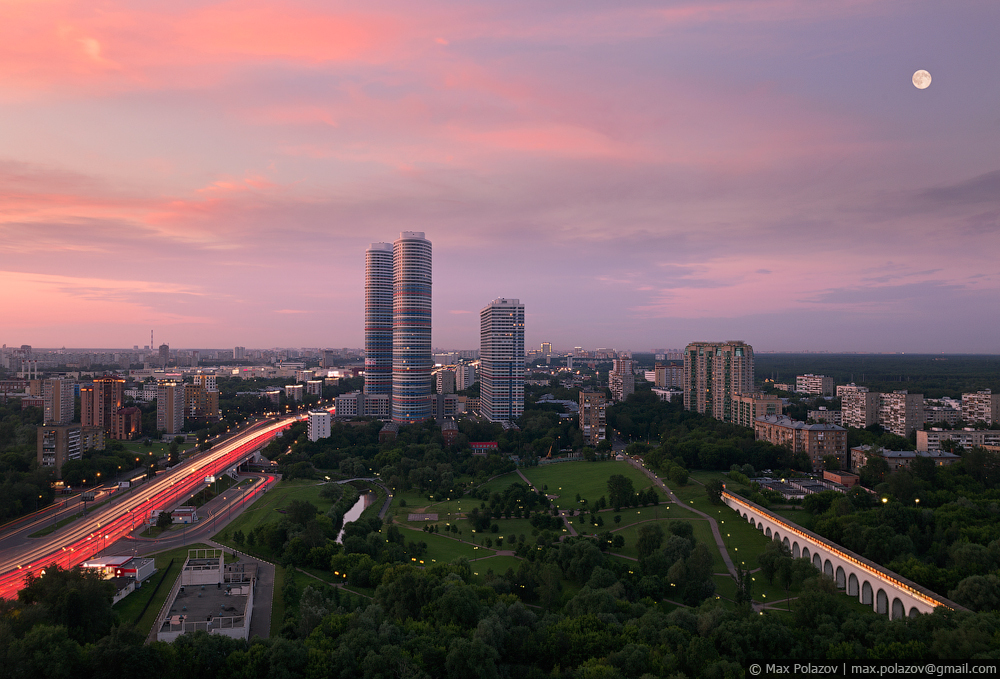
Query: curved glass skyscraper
x,y
411,328
378,319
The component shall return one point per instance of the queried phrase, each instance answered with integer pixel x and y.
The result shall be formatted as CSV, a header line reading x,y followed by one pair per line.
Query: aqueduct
x,y
885,591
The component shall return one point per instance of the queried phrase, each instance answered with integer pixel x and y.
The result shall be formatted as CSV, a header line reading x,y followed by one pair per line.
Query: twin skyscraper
x,y
398,352
398,360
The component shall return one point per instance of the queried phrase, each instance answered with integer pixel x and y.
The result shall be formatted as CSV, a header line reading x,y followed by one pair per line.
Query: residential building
x,y
57,444
898,459
465,376
593,421
669,374
848,388
378,319
239,353
164,355
982,406
821,385
501,360
748,407
826,416
859,407
449,431
931,440
446,381
170,407
546,349
319,425
411,328
939,414
621,379
99,401
126,424
209,382
715,372
360,404
901,412
314,387
815,440
447,405
59,401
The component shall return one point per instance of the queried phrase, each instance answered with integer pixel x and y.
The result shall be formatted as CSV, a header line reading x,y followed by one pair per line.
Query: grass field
x,y
498,564
589,479
441,549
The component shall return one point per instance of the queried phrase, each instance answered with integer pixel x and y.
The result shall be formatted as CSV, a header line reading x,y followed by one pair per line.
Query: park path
x,y
673,498
562,513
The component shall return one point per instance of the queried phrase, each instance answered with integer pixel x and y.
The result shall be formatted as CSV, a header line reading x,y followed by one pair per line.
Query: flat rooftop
x,y
207,604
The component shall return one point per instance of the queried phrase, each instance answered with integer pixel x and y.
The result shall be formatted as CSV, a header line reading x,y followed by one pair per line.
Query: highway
x,y
82,539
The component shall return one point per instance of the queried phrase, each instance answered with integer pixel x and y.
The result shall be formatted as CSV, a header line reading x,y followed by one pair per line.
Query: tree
x,y
301,511
831,463
173,453
620,491
714,490
77,599
165,520
650,539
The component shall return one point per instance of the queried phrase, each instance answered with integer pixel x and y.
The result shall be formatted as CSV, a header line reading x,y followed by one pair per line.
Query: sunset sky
x,y
640,175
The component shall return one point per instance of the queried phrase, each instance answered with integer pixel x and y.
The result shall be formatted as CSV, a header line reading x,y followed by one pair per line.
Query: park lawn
x,y
498,564
441,549
589,479
702,533
265,508
498,484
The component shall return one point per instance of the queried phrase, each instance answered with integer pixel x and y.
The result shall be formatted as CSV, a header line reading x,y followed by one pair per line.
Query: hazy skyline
x,y
639,175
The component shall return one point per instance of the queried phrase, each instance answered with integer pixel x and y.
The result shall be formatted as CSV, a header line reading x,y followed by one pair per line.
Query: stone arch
x,y
753,524
898,609
852,585
805,552
776,537
914,612
784,542
881,602
767,532
817,561
841,578
866,593
828,568
796,553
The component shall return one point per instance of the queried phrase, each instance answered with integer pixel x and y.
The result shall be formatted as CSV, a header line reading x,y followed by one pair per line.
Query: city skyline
x,y
646,175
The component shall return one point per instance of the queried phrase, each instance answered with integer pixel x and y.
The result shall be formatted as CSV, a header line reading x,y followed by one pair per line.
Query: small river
x,y
354,512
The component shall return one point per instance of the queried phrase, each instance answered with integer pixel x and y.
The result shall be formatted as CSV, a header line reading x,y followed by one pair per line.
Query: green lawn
x,y
589,479
498,564
441,549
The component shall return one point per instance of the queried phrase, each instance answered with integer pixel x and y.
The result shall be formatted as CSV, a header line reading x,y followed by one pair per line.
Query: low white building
x,y
319,425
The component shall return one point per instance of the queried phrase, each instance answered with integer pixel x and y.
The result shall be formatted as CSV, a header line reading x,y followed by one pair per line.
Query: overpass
x,y
83,538
886,592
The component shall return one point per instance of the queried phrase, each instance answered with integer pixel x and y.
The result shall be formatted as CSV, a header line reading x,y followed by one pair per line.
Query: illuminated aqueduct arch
x,y
885,591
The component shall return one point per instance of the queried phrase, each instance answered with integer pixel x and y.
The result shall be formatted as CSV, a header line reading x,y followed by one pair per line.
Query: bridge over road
x,y
886,592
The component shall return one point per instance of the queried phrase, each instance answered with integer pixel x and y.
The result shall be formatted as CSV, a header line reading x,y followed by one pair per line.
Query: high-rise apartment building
x,y
411,328
621,379
239,353
446,381
398,360
546,348
501,360
901,412
982,406
378,319
465,376
100,400
170,407
164,355
859,407
59,443
59,401
715,372
593,422
814,384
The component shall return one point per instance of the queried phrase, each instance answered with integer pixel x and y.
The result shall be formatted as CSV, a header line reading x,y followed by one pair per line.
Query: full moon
x,y
921,79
